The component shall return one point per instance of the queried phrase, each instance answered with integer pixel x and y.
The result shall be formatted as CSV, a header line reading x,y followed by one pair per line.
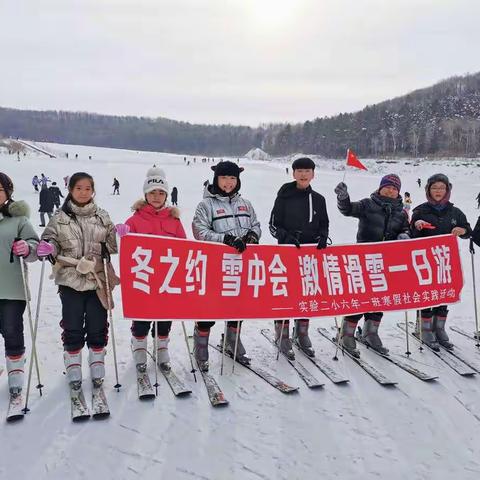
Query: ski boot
x,y
232,333
96,361
427,334
200,348
370,336
139,352
15,369
163,358
301,338
439,327
284,338
73,366
346,338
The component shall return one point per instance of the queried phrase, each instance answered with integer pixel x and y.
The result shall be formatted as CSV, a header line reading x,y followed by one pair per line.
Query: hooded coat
x,y
217,215
299,212
165,222
15,225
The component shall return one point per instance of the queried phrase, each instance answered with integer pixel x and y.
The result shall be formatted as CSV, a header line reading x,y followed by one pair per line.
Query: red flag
x,y
353,161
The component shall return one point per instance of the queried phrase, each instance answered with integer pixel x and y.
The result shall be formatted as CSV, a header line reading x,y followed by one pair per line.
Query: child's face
x,y
389,191
438,190
156,198
227,183
303,177
82,192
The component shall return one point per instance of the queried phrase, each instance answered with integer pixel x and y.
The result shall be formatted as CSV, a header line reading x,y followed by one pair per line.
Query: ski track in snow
x,y
359,430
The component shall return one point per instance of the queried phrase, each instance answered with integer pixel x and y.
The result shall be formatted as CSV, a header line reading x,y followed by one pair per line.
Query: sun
x,y
272,14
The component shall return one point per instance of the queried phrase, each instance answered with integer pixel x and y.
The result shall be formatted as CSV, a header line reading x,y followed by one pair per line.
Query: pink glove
x,y
45,249
21,248
122,229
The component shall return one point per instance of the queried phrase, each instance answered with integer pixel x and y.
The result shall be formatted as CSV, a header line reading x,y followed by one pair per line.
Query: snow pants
x,y
203,326
11,326
140,329
440,311
83,319
375,316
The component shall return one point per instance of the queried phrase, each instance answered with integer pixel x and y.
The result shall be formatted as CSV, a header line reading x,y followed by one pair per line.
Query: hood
x,y
19,208
141,206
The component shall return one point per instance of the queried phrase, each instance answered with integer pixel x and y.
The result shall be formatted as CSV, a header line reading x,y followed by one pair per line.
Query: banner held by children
x,y
175,279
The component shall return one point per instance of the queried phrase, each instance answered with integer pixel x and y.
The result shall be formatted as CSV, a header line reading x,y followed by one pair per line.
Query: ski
x,y
471,336
215,393
267,376
400,362
329,371
305,375
99,402
370,369
78,405
144,386
445,355
15,407
178,387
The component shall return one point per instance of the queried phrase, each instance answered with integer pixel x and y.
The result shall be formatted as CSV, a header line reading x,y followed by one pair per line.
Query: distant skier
x,y
407,202
44,180
17,236
46,204
56,193
66,180
419,181
286,170
174,196
116,187
35,182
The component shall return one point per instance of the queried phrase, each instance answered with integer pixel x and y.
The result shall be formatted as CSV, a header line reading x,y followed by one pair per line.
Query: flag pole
x,y
346,163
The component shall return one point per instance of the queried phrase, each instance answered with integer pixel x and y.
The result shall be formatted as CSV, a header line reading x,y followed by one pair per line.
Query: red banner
x,y
173,279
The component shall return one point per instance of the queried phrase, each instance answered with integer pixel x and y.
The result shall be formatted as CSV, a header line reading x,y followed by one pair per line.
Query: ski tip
x,y
81,418
15,418
101,416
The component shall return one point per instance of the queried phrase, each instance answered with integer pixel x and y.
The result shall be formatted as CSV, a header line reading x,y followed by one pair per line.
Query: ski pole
x,y
420,329
407,353
340,336
224,343
280,338
34,336
105,259
477,332
239,329
155,353
30,320
189,352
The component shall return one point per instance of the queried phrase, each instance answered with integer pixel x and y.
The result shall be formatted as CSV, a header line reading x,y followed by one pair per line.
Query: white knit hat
x,y
156,180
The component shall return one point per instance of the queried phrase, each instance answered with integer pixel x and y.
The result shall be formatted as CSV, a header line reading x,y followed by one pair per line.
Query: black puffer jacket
x,y
302,213
476,232
46,200
380,218
444,220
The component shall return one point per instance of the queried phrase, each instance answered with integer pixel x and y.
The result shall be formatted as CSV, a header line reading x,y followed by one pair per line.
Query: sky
x,y
229,61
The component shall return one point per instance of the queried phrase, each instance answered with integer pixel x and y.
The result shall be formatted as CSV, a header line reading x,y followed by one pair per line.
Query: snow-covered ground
x,y
360,430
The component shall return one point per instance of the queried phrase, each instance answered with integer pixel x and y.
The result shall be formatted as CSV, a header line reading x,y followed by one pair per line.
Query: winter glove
x,y
250,237
292,238
235,242
421,224
457,231
44,249
403,236
342,191
20,248
122,229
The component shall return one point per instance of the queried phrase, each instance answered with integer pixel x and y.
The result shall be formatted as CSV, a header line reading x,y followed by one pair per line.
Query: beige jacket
x,y
80,236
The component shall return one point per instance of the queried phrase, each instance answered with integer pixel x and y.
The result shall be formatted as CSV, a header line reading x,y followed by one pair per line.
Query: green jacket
x,y
17,225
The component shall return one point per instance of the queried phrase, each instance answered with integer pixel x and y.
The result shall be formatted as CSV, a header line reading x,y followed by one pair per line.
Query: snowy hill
x,y
359,430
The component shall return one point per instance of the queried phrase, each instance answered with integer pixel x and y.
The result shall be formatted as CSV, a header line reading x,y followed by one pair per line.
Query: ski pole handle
x,y
105,253
11,251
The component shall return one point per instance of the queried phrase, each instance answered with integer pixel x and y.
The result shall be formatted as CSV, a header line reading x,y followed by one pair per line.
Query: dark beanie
x,y
7,184
303,163
227,169
390,180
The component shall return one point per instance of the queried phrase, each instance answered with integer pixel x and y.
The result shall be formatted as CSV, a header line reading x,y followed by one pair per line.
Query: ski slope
x,y
359,430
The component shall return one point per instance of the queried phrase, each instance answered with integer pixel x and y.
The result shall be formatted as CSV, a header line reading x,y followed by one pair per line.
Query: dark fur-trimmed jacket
x,y
379,218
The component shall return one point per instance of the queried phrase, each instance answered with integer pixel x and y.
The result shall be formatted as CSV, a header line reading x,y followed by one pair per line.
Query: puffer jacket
x,y
80,236
444,220
380,218
12,226
217,216
299,212
476,232
165,222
